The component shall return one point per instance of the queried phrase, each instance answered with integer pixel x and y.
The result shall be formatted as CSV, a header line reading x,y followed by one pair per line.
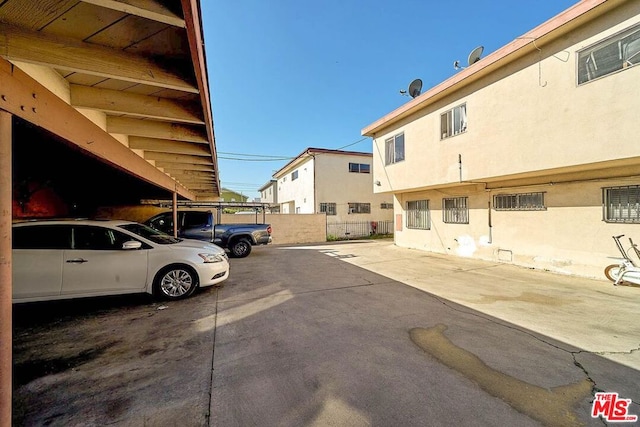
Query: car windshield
x,y
150,234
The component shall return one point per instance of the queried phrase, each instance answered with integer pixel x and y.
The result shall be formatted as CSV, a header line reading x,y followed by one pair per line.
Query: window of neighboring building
x,y
328,208
455,210
519,202
359,208
386,205
394,149
622,204
294,175
359,168
615,53
418,215
453,122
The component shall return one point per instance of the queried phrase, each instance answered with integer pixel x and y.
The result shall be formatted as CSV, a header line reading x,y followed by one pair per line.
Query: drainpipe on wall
x,y
6,325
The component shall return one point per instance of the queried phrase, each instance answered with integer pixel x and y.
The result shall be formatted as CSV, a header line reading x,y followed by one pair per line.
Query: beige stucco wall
x,y
525,118
568,237
286,229
335,184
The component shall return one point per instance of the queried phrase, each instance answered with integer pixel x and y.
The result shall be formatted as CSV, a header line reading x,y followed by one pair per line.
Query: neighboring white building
x,y
269,192
338,183
532,154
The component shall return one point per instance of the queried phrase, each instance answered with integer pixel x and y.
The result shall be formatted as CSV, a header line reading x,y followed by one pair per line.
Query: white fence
x,y
357,229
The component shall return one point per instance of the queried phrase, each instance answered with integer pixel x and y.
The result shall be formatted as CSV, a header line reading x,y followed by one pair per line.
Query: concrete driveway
x,y
331,335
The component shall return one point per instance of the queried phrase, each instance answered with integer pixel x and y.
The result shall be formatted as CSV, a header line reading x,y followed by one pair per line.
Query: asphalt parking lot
x,y
303,336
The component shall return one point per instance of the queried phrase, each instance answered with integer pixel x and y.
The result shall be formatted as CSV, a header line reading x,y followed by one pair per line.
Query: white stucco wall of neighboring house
x,y
269,192
296,193
531,129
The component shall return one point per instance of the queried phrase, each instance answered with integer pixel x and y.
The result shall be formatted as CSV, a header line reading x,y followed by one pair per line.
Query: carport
x,y
102,102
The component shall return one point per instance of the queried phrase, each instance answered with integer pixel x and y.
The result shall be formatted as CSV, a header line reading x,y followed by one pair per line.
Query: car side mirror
x,y
131,244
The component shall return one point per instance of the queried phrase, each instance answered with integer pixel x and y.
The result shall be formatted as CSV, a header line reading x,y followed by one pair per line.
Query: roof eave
x,y
542,34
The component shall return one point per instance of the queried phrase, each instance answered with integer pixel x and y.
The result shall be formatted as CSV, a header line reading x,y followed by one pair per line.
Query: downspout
x,y
6,287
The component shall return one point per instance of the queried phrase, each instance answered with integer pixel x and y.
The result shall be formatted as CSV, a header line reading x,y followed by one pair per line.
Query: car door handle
x,y
77,260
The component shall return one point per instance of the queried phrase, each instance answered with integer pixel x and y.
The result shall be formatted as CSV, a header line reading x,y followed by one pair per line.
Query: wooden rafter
x,y
73,55
119,102
143,8
166,146
156,129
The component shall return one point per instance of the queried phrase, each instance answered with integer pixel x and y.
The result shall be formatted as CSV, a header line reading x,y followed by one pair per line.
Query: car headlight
x,y
211,257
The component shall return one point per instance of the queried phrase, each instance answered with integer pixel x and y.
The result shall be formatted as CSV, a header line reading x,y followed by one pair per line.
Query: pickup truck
x,y
201,225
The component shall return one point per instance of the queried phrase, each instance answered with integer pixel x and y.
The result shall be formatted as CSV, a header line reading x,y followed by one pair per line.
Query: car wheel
x,y
176,282
240,248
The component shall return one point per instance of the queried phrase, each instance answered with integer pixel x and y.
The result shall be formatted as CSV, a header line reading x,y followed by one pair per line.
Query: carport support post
x,y
175,214
6,336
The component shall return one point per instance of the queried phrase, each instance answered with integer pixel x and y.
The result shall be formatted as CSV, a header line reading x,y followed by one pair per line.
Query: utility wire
x,y
353,143
265,158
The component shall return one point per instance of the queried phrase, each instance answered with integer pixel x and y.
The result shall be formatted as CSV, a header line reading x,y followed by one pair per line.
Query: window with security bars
x,y
455,210
519,202
386,205
622,204
394,149
328,208
615,53
418,215
359,208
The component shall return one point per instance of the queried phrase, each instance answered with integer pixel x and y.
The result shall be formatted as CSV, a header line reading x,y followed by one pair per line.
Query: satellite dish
x,y
474,57
415,87
475,54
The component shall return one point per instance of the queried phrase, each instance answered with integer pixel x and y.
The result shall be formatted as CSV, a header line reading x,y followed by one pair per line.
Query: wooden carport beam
x,y
178,158
143,8
21,95
72,55
118,102
166,146
183,166
6,335
156,129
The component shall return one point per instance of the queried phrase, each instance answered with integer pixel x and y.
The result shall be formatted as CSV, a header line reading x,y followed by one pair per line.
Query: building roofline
x,y
577,14
310,151
267,184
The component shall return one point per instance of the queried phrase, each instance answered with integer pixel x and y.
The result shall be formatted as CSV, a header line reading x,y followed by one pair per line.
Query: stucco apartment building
x,y
338,183
530,155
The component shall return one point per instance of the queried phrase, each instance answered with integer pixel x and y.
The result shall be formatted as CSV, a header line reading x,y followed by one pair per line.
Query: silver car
x,y
83,258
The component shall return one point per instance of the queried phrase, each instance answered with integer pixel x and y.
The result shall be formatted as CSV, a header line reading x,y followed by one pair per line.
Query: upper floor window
x,y
394,149
386,205
622,204
453,122
615,53
359,168
359,208
294,175
455,210
519,202
418,215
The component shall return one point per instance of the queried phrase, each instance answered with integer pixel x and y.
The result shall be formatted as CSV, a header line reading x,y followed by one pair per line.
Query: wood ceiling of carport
x,y
141,63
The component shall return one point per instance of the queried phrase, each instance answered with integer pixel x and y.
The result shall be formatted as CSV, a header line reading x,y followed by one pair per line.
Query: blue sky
x,y
285,75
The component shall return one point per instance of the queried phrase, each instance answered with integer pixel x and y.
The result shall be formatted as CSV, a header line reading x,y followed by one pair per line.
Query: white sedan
x,y
84,258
